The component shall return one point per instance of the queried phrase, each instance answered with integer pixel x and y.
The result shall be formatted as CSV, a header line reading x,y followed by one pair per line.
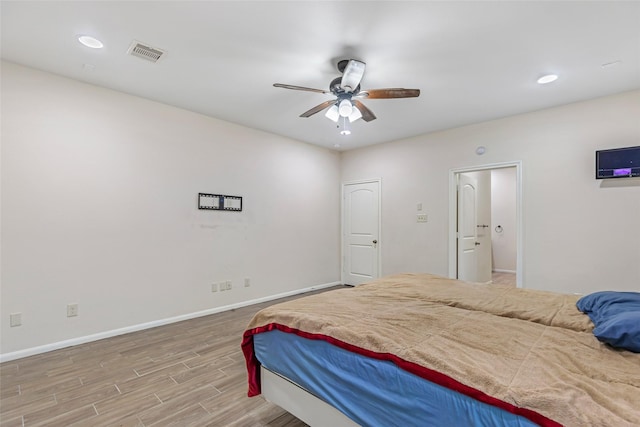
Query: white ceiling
x,y
473,61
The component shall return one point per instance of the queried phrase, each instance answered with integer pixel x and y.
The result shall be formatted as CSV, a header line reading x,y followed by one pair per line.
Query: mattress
x,y
373,392
526,353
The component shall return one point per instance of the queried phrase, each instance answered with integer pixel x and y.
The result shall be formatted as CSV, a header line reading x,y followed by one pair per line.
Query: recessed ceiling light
x,y
547,79
91,42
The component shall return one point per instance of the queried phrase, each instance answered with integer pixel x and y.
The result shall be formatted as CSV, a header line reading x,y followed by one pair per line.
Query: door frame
x,y
453,214
378,181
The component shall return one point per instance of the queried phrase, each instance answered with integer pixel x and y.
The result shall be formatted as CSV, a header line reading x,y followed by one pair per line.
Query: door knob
x,y
375,242
477,243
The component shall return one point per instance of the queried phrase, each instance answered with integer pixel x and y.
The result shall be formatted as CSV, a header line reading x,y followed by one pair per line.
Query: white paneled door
x,y
467,230
361,229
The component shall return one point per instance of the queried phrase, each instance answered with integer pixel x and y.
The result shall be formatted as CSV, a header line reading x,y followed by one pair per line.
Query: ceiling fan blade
x,y
352,75
318,108
367,115
389,93
306,89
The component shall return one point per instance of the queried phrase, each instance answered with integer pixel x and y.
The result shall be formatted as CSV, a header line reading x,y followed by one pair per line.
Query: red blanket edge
x,y
253,371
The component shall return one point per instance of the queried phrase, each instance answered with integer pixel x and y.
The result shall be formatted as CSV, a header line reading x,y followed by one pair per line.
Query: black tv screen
x,y
618,163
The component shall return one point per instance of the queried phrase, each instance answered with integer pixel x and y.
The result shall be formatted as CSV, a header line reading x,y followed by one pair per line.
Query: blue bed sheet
x,y
373,392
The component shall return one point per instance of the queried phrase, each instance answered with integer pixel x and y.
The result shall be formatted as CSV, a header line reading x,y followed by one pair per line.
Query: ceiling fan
x,y
347,104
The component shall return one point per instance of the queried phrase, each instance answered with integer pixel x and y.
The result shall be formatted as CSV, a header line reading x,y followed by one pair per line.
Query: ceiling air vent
x,y
145,52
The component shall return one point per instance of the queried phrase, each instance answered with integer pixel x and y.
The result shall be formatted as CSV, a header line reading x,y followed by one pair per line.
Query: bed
x,y
421,350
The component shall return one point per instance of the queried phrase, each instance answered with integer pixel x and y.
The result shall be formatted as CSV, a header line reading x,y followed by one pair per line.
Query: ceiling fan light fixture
x,y
332,113
345,108
346,104
345,127
355,114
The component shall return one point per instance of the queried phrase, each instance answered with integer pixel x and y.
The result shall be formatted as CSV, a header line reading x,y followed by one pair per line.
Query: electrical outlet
x,y
72,310
247,282
422,217
214,287
15,319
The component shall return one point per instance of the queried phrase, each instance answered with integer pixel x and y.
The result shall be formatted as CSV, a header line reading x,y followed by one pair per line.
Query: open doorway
x,y
485,223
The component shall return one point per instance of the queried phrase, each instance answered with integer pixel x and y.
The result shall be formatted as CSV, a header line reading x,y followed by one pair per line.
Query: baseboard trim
x,y
142,326
498,270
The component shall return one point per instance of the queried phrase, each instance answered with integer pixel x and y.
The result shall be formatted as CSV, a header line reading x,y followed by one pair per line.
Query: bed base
x,y
300,403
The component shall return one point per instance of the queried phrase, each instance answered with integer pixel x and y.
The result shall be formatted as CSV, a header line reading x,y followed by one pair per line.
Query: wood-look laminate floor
x,y
502,278
190,373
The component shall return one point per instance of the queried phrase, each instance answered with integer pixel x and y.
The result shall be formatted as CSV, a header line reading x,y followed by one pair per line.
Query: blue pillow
x,y
616,316
621,331
601,305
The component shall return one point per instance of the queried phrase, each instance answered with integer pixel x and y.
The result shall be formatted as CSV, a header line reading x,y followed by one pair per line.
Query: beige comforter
x,y
531,349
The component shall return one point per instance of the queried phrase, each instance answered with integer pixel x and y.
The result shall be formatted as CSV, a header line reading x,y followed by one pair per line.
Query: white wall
x,y
503,214
99,208
99,205
580,234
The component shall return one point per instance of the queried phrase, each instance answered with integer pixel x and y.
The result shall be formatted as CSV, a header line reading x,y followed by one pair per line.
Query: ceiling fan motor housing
x,y
342,64
334,86
337,90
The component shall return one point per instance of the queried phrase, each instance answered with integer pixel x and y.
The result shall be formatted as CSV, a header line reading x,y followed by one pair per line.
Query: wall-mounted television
x,y
618,163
